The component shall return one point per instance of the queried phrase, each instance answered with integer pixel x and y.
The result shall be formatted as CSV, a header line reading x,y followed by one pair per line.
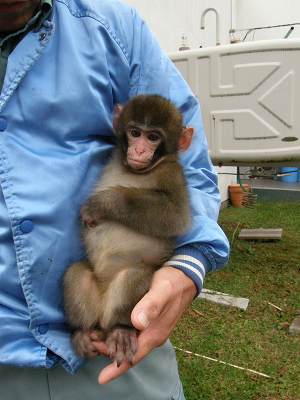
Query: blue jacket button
x,y
3,124
43,328
26,226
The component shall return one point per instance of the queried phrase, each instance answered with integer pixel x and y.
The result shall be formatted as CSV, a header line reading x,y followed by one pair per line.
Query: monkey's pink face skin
x,y
142,144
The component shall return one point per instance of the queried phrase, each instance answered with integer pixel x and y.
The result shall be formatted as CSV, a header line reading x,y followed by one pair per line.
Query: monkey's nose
x,y
140,151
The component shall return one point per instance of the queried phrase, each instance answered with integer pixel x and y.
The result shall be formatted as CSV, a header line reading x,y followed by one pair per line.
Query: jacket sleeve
x,y
204,247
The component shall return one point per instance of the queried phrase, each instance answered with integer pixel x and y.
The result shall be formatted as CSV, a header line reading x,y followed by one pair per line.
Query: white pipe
x,y
233,19
217,23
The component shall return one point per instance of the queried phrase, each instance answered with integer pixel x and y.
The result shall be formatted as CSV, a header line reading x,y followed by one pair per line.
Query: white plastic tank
x,y
250,99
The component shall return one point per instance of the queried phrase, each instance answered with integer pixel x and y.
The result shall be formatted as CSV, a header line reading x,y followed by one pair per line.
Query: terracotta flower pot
x,y
237,194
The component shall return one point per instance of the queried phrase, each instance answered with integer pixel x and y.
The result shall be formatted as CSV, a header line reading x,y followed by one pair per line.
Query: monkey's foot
x,y
83,341
122,344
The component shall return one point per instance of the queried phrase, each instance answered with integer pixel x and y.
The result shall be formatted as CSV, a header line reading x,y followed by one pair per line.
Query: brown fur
x,y
135,219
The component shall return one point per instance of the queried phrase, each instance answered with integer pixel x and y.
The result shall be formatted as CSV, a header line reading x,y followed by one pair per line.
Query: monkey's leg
x,y
82,307
125,291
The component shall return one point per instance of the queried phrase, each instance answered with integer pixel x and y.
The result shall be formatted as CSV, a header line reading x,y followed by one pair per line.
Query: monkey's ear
x,y
117,112
186,138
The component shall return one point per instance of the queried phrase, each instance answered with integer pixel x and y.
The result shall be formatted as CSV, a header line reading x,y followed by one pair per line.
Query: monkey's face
x,y
148,128
142,145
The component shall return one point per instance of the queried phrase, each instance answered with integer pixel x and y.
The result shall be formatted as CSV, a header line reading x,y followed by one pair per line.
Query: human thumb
x,y
151,305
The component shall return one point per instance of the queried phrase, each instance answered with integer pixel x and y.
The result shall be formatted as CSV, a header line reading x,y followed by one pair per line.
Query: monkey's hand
x,y
155,316
90,213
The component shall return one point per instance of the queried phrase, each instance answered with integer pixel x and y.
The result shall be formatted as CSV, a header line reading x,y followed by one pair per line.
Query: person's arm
x,y
204,247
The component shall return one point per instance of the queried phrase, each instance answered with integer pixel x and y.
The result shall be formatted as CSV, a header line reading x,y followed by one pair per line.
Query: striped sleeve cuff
x,y
192,262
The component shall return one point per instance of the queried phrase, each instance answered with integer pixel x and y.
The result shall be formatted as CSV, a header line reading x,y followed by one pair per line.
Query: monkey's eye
x,y
134,132
154,137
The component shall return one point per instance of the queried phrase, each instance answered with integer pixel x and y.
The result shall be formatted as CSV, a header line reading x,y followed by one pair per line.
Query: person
x,y
64,66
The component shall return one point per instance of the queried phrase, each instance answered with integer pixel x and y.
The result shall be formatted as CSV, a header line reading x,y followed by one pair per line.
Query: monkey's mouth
x,y
136,164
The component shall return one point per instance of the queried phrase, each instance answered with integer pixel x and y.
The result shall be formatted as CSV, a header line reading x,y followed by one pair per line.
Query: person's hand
x,y
155,316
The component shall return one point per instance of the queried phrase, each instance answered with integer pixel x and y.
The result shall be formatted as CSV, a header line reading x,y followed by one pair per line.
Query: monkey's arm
x,y
150,212
161,212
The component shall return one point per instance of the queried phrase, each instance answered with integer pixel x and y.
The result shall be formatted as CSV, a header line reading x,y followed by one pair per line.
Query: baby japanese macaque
x,y
130,224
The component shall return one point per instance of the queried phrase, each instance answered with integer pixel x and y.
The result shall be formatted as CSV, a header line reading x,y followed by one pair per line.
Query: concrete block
x,y
294,328
225,299
260,234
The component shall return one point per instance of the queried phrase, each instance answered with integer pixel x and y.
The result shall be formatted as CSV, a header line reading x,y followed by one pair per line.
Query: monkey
x,y
130,223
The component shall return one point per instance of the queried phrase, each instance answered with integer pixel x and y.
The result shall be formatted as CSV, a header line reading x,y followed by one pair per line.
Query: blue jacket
x,y
56,106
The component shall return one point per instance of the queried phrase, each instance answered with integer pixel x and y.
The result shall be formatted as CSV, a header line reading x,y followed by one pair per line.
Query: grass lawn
x,y
257,338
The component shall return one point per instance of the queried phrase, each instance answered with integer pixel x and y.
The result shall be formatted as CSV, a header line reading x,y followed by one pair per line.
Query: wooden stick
x,y
273,305
233,236
198,312
222,362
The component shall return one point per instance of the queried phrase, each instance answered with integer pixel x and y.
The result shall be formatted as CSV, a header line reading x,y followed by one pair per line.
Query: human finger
x,y
101,347
112,371
151,305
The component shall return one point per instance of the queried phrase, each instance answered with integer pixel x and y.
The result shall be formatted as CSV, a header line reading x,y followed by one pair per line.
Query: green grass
x,y
257,338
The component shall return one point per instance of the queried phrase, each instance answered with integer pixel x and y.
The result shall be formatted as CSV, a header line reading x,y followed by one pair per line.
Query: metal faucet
x,y
217,23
